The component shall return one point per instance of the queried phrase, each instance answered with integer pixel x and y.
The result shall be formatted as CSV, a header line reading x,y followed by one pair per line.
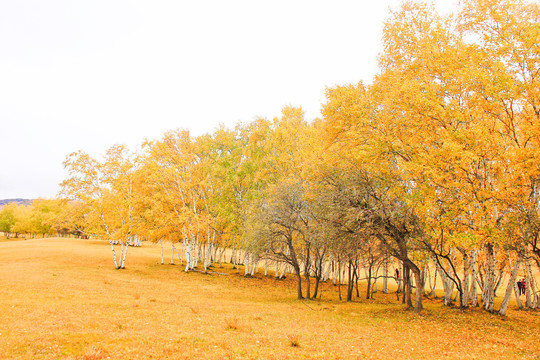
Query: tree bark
x,y
528,286
114,255
511,284
299,283
488,293
473,296
125,250
464,297
385,278
419,290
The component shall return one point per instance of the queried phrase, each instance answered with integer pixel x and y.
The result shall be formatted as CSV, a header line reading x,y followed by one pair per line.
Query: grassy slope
x,y
62,299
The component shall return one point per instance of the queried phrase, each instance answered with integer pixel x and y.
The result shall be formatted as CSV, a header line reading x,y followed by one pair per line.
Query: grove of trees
x,y
433,169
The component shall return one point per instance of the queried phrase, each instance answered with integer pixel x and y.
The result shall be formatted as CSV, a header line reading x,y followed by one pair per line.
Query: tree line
x,y
432,166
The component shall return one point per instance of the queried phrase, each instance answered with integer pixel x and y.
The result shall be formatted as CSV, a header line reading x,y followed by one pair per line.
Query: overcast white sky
x,y
89,74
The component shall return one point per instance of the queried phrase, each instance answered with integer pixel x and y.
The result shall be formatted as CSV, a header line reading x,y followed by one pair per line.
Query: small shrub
x,y
92,353
294,341
231,324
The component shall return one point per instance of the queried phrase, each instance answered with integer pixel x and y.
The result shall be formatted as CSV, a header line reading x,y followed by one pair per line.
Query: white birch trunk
x,y
114,254
511,284
254,266
528,286
187,250
465,284
327,268
125,255
488,293
535,297
448,285
246,264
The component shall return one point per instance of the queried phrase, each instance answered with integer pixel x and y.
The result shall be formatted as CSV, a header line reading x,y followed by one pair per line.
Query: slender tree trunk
x,y
316,290
473,296
528,286
299,283
114,255
374,286
407,286
318,274
448,285
434,286
125,255
488,294
419,290
511,284
350,282
369,290
339,280
187,250
385,278
356,278
307,269
233,253
464,297
246,264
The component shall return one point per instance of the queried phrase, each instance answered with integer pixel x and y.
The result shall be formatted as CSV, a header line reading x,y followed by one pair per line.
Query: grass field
x,y
62,299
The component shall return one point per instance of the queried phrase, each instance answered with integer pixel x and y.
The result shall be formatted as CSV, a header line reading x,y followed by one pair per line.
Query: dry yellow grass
x,y
62,299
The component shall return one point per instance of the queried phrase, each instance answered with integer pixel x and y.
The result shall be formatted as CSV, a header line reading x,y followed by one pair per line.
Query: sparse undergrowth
x,y
62,299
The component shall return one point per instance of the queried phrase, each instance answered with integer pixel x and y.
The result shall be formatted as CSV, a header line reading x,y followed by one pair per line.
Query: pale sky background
x,y
85,75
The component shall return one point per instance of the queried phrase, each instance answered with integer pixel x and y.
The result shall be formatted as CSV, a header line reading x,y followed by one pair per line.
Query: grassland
x,y
62,299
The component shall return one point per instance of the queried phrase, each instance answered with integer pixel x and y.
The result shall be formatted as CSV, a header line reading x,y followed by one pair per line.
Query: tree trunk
x,y
385,278
374,286
316,290
246,264
473,296
511,284
488,293
368,290
407,286
350,282
114,255
307,269
464,297
299,283
528,286
339,280
448,285
419,290
434,286
125,255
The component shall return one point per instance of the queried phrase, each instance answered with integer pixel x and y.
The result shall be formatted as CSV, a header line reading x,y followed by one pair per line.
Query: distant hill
x,y
17,201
